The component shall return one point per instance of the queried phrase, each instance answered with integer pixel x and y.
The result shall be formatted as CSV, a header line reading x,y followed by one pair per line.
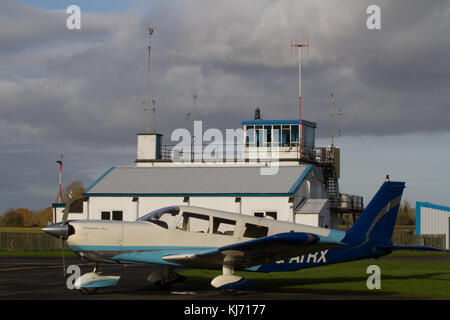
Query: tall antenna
x,y
154,116
60,163
150,32
195,113
333,133
299,47
195,106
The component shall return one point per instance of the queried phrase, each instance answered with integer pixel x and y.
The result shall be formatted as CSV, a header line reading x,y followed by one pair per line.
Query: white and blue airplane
x,y
179,237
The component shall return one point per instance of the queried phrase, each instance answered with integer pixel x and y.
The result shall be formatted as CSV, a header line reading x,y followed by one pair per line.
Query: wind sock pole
x,y
60,163
147,127
299,46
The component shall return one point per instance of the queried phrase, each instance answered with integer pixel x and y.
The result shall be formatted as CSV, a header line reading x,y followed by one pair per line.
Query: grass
x,y
53,253
423,279
399,278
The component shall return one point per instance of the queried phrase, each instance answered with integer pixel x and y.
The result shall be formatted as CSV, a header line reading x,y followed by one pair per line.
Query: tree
x,y
11,218
20,217
73,191
406,214
42,217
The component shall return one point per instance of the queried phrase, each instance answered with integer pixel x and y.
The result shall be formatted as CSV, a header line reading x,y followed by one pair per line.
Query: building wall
x,y
281,205
433,219
99,204
308,219
135,207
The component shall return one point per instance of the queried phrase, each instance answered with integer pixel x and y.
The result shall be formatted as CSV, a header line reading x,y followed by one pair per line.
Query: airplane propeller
x,y
61,231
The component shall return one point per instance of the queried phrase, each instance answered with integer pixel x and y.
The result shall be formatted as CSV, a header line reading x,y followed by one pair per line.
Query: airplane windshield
x,y
161,216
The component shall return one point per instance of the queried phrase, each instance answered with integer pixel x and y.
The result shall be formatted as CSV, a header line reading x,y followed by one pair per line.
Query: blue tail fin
x,y
377,221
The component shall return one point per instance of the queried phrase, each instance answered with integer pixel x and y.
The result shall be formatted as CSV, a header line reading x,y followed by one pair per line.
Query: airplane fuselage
x,y
144,242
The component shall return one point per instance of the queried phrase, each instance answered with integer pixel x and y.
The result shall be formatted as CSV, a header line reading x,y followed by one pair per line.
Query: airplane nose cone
x,y
57,230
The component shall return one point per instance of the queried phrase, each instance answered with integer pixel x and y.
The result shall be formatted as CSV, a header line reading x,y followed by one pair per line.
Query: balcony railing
x,y
245,153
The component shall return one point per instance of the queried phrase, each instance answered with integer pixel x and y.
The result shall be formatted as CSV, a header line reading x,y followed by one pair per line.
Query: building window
x,y
276,136
115,215
294,134
106,215
266,214
250,136
286,136
271,214
268,136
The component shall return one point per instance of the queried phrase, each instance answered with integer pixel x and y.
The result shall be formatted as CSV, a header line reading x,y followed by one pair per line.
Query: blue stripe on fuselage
x,y
139,254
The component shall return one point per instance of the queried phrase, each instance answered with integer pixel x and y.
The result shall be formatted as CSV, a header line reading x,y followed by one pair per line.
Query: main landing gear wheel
x,y
163,280
228,292
87,291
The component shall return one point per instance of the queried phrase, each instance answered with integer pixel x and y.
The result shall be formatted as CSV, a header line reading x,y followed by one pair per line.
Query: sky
x,y
80,92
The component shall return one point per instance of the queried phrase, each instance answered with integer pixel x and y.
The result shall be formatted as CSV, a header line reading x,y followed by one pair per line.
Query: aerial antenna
x,y
195,106
60,164
300,47
147,109
195,113
154,116
333,133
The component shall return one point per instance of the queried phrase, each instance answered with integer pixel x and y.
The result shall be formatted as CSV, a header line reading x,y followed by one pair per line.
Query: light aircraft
x,y
180,237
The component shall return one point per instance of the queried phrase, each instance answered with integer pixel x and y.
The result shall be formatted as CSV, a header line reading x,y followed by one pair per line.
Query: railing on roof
x,y
236,152
351,203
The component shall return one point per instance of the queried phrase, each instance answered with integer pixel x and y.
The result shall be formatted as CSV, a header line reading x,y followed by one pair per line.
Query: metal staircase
x,y
332,185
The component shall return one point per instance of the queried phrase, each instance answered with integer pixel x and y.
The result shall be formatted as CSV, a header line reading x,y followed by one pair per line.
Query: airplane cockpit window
x,y
163,217
255,231
194,222
223,226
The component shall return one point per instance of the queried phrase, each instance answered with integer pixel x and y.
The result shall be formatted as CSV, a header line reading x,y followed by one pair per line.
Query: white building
x,y
304,188
433,219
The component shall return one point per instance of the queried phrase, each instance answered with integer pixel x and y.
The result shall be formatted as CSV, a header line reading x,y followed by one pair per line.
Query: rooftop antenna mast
x,y
195,113
147,109
60,164
154,116
333,133
195,107
299,47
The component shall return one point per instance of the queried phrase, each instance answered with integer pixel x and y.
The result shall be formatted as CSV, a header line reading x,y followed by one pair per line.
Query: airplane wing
x,y
255,252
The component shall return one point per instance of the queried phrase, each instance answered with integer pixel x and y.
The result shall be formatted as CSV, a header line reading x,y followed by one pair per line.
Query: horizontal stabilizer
x,y
415,248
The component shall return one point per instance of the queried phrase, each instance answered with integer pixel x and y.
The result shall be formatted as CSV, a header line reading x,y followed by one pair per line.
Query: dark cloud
x,y
63,90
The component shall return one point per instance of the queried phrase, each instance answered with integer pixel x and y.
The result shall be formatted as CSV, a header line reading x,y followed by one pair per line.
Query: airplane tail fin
x,y
377,221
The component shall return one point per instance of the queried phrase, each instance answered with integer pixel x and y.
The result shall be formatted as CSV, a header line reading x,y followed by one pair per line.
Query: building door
x,y
448,236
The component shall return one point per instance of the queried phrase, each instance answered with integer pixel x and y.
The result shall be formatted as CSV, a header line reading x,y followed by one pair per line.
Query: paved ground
x,y
31,278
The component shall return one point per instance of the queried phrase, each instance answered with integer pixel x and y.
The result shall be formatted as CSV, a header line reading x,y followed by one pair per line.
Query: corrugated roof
x,y
198,180
312,206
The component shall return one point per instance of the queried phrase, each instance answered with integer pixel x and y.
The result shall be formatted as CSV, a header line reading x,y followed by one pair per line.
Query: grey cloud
x,y
63,90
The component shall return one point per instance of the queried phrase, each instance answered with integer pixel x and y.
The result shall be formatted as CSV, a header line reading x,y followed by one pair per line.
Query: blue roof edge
x,y
300,179
257,122
419,206
98,180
